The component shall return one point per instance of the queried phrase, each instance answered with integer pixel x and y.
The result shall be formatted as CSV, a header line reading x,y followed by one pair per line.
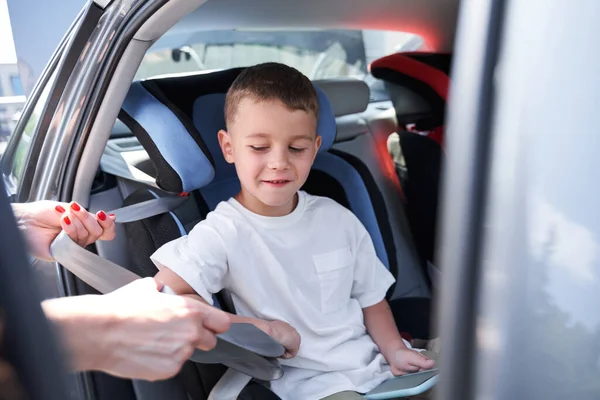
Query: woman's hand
x,y
135,332
42,221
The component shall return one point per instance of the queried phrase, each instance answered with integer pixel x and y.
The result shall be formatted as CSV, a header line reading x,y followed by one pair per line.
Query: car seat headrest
x,y
181,159
347,95
195,103
326,126
418,84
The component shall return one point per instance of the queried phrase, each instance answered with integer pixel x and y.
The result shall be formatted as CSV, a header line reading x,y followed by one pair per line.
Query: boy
x,y
299,267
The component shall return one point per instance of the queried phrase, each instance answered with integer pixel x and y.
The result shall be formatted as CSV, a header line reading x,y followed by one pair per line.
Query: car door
x,y
521,229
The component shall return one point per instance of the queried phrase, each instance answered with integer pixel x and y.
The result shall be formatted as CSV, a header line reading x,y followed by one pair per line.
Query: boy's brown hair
x,y
272,81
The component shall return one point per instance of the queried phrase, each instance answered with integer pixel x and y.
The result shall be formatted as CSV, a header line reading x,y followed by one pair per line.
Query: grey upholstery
x,y
347,95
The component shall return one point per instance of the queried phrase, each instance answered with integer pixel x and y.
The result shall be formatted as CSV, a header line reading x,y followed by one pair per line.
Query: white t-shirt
x,y
315,268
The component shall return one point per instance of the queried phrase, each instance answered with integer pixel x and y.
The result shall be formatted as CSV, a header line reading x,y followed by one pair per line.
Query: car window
x,y
12,100
25,139
319,54
17,86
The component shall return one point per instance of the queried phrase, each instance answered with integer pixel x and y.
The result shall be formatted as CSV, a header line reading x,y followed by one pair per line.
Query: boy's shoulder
x,y
222,216
328,206
320,201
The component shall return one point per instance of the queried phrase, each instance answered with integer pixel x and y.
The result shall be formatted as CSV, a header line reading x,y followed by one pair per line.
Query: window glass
x,y
26,138
17,86
319,54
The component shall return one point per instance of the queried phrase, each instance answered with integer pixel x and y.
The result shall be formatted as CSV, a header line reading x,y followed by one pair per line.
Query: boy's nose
x,y
278,161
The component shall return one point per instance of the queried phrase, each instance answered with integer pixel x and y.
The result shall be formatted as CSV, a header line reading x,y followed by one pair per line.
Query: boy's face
x,y
273,150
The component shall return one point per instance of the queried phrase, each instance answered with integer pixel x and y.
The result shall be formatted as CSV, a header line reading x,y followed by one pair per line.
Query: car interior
x,y
381,119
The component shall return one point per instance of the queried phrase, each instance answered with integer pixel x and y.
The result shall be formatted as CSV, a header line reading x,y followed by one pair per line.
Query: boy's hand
x,y
287,336
406,361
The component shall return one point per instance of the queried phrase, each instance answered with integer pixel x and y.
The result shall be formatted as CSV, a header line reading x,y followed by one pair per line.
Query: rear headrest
x,y
347,95
418,84
180,157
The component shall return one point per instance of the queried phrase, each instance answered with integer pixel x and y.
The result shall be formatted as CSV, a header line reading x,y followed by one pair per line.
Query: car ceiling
x,y
434,20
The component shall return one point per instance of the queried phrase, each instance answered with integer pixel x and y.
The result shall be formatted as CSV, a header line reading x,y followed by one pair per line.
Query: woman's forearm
x,y
134,332
81,330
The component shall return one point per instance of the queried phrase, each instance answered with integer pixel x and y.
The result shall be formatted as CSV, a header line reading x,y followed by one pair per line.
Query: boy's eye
x,y
297,149
259,148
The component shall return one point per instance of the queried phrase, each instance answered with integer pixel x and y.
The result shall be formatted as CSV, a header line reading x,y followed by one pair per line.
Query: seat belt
x,y
148,208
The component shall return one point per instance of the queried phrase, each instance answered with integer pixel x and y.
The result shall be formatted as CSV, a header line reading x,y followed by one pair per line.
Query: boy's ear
x,y
225,143
318,142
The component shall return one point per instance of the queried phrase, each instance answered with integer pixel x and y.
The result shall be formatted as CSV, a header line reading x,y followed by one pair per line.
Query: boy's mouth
x,y
277,182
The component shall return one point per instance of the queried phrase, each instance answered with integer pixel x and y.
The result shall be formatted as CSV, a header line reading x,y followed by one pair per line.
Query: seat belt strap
x,y
147,209
100,273
229,386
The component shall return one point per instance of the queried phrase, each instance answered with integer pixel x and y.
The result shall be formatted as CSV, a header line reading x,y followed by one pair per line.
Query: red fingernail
x,y
67,220
102,216
75,207
111,215
60,209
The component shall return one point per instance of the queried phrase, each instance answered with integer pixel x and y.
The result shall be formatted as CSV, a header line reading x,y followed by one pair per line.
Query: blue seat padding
x,y
326,125
209,118
175,151
219,191
358,197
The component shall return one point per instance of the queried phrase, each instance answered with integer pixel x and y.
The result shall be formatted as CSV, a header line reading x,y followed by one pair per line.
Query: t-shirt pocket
x,y
335,277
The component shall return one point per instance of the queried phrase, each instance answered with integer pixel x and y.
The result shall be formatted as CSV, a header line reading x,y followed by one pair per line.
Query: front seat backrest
x,y
418,84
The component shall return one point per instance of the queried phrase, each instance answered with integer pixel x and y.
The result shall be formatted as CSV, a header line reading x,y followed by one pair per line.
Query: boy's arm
x,y
278,330
382,328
